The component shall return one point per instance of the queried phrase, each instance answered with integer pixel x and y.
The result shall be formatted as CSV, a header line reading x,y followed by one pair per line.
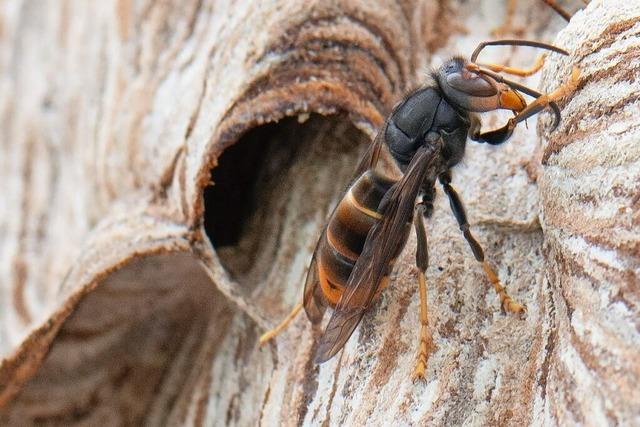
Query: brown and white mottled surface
x,y
590,193
129,294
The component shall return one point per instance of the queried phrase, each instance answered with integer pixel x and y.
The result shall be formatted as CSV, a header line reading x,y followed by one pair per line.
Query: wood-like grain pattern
x,y
590,194
120,306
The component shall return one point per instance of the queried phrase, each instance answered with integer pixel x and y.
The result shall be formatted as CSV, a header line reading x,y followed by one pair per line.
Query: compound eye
x,y
471,84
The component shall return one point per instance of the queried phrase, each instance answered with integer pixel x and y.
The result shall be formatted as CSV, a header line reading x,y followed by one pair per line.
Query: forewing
x,y
371,156
379,249
313,299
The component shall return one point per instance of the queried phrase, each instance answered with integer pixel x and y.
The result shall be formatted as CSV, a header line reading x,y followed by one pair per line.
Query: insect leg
x,y
500,135
516,71
422,261
508,303
267,336
545,100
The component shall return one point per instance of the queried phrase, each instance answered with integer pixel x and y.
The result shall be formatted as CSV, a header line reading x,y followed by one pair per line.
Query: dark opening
x,y
272,191
235,180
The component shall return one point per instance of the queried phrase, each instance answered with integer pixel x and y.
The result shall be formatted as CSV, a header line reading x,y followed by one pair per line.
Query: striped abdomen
x,y
346,232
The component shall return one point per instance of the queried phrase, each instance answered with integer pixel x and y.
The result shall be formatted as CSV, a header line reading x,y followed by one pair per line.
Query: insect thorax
x,y
420,119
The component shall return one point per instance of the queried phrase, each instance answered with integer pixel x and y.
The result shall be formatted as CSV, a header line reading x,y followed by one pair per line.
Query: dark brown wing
x,y
379,248
371,156
313,299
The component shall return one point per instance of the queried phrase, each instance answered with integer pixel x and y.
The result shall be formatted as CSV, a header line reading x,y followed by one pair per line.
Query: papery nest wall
x,y
168,167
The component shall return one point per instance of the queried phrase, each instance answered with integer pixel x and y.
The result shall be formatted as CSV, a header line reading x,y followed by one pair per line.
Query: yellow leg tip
x,y
269,335
575,74
266,337
514,307
419,372
508,303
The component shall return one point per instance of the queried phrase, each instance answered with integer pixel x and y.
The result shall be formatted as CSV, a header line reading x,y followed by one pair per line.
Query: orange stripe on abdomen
x,y
348,229
356,213
331,291
338,267
346,233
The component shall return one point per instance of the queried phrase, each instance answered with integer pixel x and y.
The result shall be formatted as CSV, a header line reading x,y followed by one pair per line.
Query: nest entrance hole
x,y
271,194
